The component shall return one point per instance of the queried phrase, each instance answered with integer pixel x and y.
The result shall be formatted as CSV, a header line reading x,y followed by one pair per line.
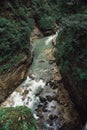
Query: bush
x,y
9,39
68,6
18,118
46,22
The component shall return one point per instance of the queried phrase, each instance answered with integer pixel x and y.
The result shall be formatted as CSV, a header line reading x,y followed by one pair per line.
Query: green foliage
x,y
72,48
16,119
44,13
15,30
47,22
67,6
10,37
14,38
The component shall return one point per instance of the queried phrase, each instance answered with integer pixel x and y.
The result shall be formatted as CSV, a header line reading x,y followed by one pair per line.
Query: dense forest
x,y
17,20
71,53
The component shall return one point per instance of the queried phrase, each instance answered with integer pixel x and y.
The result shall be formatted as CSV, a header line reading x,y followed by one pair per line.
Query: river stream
x,y
36,92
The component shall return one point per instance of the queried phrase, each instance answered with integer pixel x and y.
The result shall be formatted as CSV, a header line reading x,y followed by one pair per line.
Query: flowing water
x,y
35,92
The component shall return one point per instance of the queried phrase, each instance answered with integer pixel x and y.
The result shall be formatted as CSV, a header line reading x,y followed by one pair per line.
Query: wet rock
x,y
44,109
40,105
41,61
51,61
51,83
42,99
55,98
39,113
49,98
45,104
36,33
32,76
38,93
55,86
50,122
55,83
53,107
25,92
53,117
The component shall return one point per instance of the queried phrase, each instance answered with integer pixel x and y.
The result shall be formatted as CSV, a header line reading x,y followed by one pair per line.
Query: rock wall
x,y
70,116
78,95
66,107
36,33
11,80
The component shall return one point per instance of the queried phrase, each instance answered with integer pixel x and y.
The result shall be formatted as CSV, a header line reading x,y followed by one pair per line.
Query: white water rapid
x,y
26,94
51,38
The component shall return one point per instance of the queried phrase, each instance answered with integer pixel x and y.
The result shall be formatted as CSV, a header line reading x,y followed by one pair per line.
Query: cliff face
x,y
9,81
78,95
71,55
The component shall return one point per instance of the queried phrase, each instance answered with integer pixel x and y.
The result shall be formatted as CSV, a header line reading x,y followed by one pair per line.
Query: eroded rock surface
x,y
66,107
36,33
11,80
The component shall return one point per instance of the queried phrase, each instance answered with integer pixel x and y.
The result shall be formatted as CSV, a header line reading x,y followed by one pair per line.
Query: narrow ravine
x,y
36,91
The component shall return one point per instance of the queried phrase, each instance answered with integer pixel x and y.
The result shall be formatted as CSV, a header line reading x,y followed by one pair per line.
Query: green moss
x,y
19,118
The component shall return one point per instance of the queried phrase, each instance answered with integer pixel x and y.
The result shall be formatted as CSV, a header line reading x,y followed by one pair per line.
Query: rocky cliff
x,y
71,56
78,95
9,81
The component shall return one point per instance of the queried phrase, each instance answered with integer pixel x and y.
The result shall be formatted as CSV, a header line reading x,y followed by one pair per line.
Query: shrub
x,y
18,118
46,22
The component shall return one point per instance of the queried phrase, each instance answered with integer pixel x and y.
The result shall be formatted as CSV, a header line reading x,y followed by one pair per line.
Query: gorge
x,y
43,66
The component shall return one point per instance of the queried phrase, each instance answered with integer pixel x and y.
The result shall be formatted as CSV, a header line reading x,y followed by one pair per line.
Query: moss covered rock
x,y
19,118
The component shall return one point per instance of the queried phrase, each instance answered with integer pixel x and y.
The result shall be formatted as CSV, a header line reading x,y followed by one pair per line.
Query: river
x,y
36,92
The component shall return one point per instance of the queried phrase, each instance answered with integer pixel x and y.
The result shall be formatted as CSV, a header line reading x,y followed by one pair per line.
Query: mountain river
x,y
36,91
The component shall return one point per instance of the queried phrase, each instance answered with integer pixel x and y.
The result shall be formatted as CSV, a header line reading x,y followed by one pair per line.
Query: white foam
x,y
29,98
36,117
51,38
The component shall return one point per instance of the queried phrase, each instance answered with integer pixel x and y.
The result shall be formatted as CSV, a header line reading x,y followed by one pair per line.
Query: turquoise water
x,y
40,66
